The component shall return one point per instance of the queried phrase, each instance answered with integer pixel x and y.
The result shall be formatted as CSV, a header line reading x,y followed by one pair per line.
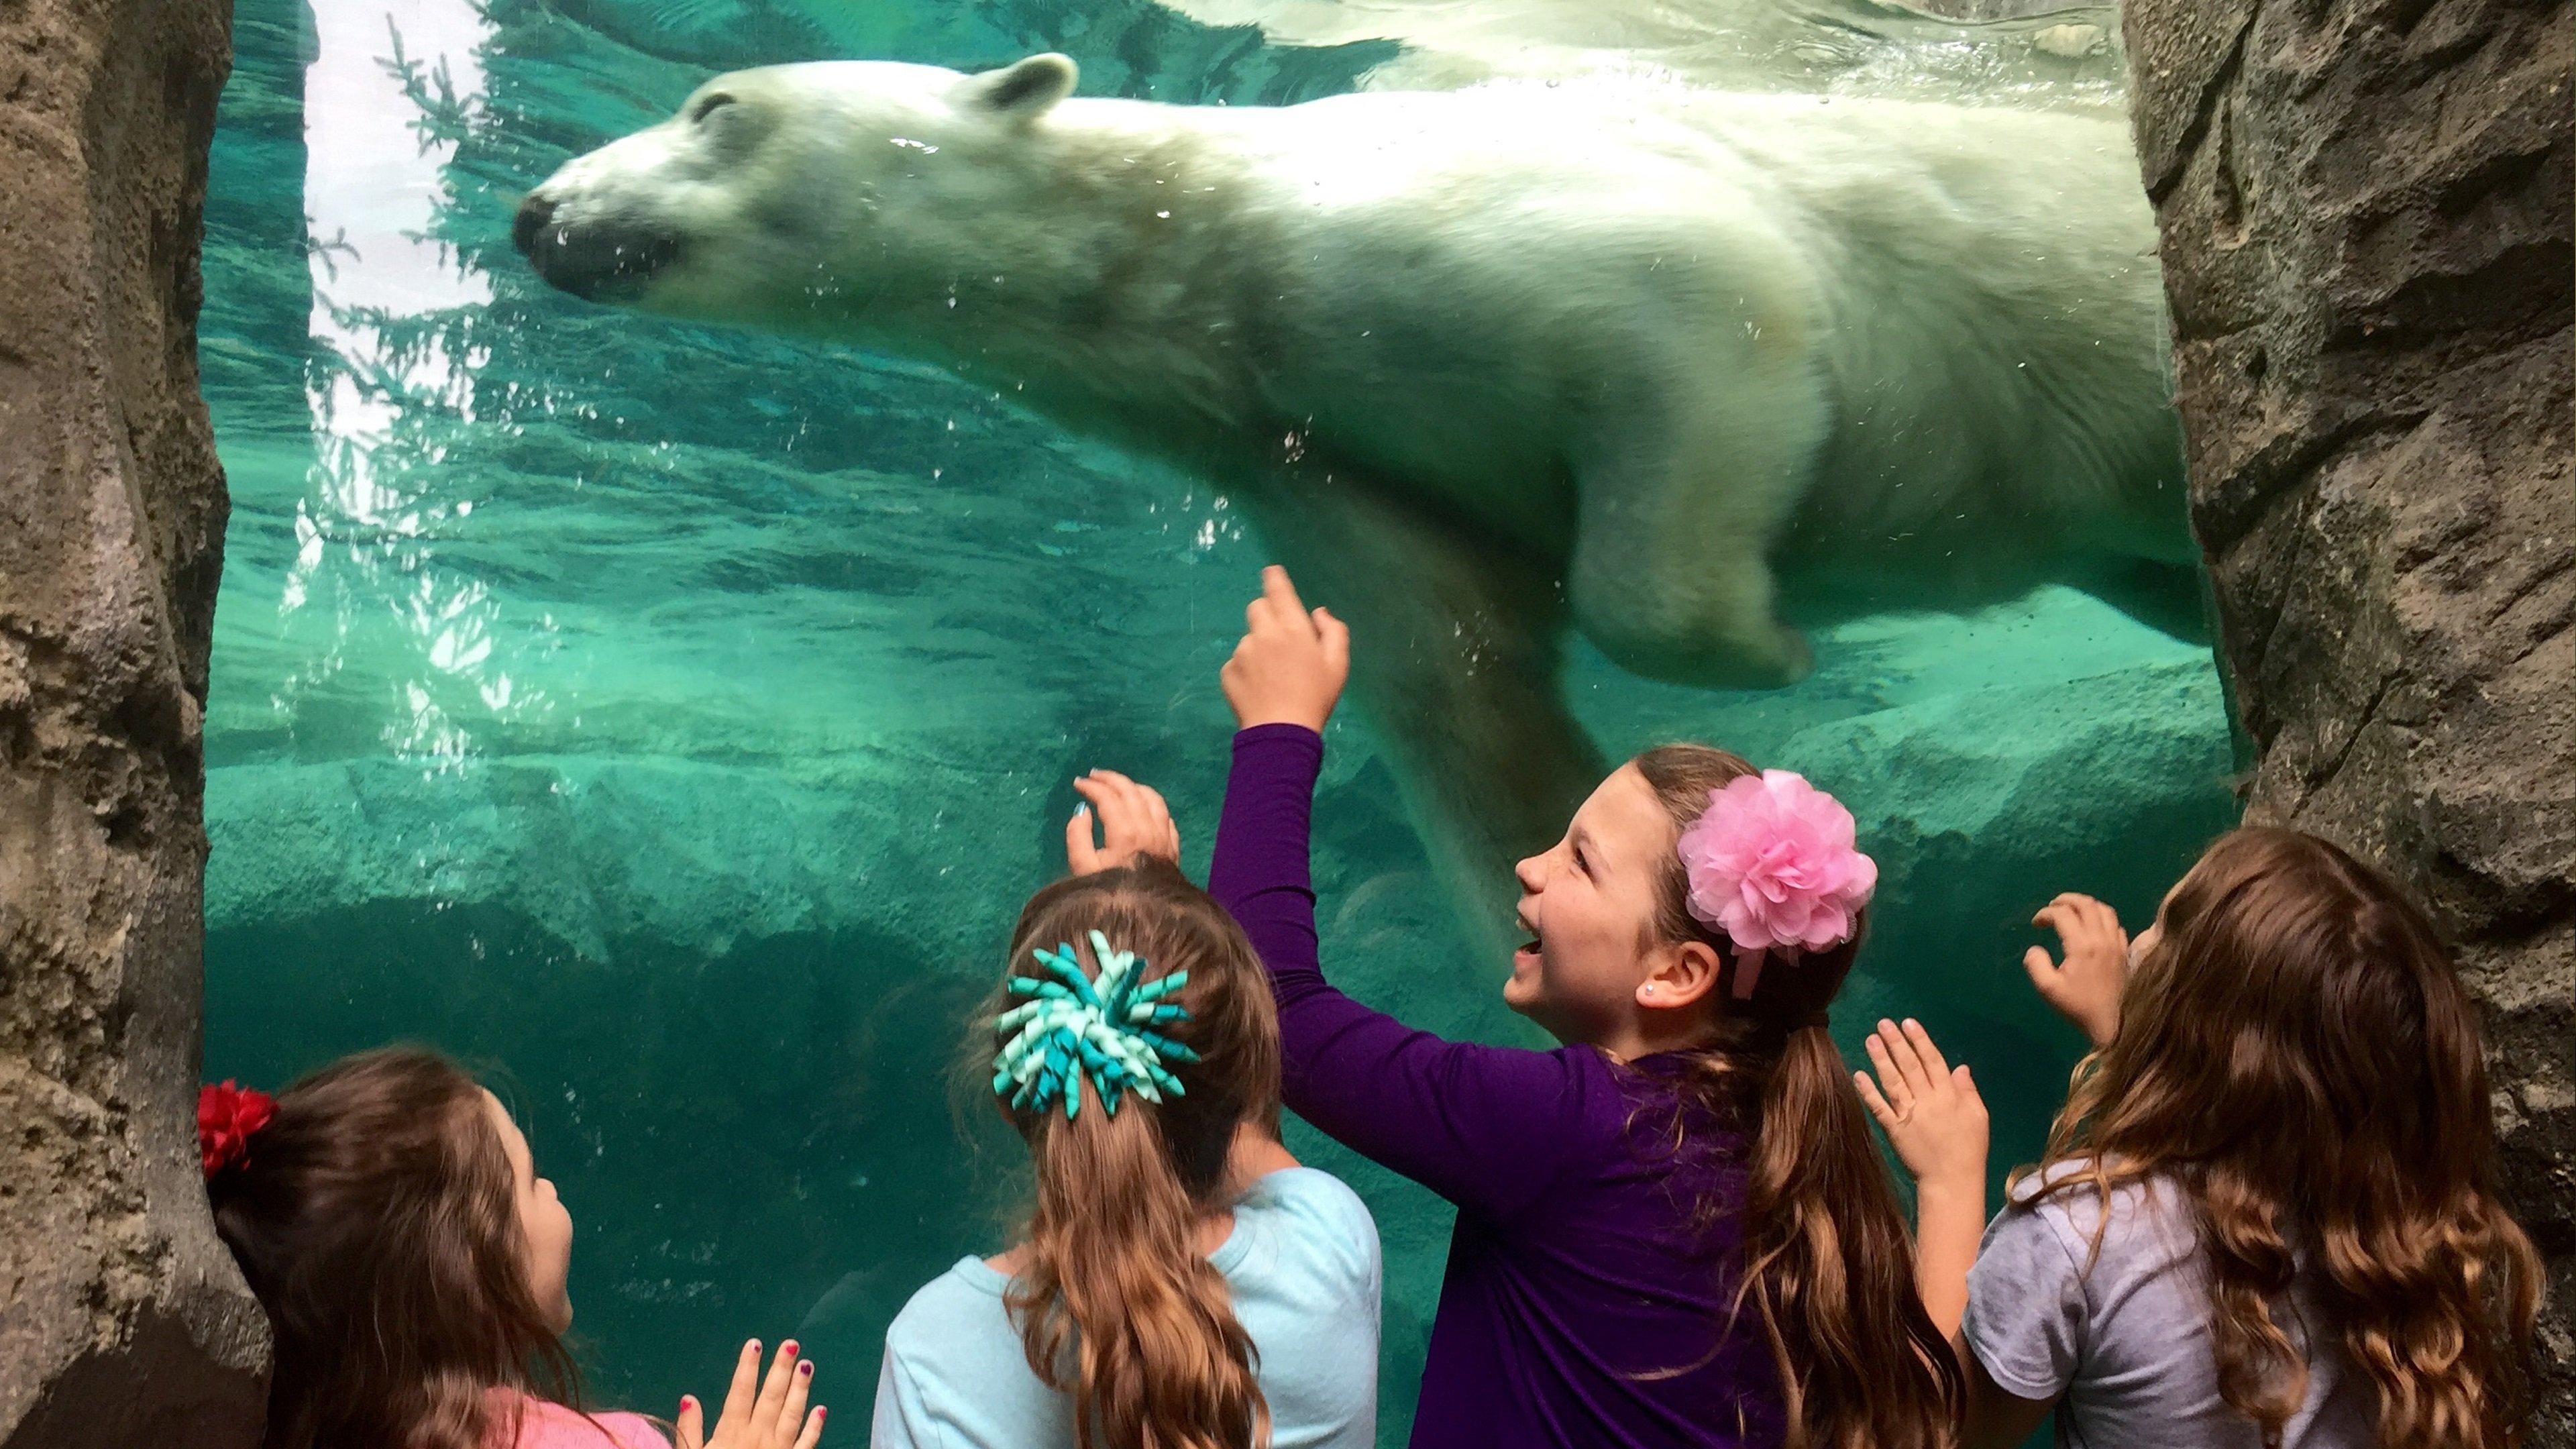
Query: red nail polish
x,y
789,1347
819,1413
806,1368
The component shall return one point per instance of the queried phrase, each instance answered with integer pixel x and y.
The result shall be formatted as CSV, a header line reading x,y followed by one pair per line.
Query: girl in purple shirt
x,y
1673,1229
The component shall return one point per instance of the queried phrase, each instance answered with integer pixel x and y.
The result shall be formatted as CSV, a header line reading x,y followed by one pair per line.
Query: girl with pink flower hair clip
x,y
1674,1227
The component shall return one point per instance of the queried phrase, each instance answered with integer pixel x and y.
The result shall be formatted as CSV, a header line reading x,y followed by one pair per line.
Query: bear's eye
x,y
707,104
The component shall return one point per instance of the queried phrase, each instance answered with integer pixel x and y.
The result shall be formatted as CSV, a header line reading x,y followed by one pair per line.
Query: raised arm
x,y
1486,1127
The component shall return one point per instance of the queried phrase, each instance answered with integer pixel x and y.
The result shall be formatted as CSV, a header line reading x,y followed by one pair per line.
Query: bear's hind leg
x,y
1671,574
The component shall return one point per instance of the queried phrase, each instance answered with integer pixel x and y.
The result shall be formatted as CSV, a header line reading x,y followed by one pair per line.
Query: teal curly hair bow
x,y
1099,1026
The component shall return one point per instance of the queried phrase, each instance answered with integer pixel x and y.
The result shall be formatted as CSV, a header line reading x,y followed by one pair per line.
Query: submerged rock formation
x,y
2365,214
122,1321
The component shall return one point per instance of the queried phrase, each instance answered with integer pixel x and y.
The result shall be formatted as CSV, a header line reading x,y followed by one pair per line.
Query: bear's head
x,y
800,197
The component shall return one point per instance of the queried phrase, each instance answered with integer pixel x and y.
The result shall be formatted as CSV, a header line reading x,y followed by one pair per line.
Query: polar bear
x,y
1674,367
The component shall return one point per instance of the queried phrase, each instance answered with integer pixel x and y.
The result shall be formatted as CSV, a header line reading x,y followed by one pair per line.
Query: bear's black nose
x,y
534,213
605,258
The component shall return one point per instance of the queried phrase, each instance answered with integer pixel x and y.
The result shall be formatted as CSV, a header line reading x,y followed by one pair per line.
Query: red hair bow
x,y
226,1117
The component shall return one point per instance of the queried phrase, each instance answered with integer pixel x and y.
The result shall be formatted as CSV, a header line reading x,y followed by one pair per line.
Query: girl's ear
x,y
1684,979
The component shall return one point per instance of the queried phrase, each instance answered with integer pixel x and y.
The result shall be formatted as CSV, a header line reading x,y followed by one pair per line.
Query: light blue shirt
x,y
1303,1265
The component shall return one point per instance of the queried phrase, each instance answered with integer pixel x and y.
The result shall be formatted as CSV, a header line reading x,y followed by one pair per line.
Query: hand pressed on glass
x,y
1935,1120
1292,661
2085,987
758,1414
1929,1109
1133,821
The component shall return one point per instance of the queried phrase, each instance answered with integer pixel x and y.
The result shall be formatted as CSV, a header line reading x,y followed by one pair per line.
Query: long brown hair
x,y
1116,1305
2297,1055
376,1217
1828,1264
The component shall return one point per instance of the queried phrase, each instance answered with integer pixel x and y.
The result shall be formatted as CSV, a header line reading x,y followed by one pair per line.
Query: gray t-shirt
x,y
2124,1337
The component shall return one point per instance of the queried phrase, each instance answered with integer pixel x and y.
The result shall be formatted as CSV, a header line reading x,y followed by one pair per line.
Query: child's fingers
x,y
1166,828
1966,1084
1876,1104
1079,849
813,1430
773,1390
2042,968
739,1394
1113,799
1337,639
1281,594
791,1410
1908,1063
1935,1066
1144,820
2110,922
1890,1079
691,1425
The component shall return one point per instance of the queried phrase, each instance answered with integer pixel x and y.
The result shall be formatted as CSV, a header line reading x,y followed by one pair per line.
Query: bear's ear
x,y
1024,91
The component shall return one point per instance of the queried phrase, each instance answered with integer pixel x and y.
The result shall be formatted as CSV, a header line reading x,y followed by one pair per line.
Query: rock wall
x,y
122,1320
2365,212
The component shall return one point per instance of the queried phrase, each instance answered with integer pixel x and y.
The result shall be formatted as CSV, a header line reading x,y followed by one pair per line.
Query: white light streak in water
x,y
392,84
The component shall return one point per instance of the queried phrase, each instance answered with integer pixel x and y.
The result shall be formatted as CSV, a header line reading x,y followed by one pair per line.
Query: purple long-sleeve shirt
x,y
1583,1305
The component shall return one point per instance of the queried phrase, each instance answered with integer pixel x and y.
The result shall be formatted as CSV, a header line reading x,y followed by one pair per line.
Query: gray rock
x,y
123,1321
2366,216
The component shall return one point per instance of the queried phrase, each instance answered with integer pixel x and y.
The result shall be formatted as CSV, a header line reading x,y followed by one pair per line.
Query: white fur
x,y
1641,343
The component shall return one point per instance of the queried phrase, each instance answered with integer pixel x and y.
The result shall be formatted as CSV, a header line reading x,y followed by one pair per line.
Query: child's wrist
x,y
1958,1187
1256,719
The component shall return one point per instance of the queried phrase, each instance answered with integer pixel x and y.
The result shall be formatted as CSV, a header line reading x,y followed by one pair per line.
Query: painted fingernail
x,y
752,1347
688,1402
806,1368
788,1348
819,1412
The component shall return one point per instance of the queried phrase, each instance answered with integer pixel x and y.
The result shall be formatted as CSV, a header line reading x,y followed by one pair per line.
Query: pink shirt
x,y
544,1425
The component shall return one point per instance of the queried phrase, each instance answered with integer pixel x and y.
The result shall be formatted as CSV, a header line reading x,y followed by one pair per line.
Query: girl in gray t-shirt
x,y
2268,1214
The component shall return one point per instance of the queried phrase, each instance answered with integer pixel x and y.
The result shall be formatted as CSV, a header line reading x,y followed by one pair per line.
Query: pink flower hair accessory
x,y
1774,865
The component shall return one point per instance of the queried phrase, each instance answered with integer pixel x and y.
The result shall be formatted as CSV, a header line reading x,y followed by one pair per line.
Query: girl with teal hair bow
x,y
1183,1281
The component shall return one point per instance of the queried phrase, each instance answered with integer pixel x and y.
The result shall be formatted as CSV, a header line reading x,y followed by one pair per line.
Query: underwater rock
x,y
2366,242
125,1322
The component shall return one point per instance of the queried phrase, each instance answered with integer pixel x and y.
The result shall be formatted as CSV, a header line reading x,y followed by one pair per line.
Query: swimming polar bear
x,y
1645,360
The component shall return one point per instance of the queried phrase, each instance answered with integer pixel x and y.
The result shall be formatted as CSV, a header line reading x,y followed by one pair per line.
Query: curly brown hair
x,y
2297,1054
376,1218
1116,1305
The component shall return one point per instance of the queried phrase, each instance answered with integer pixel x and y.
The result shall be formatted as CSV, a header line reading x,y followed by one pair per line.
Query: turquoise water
x,y
671,721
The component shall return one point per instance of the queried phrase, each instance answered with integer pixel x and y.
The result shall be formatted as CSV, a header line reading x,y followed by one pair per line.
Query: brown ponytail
x,y
1116,1305
1828,1262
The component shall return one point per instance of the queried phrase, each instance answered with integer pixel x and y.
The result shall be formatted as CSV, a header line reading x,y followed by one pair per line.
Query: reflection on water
x,y
671,719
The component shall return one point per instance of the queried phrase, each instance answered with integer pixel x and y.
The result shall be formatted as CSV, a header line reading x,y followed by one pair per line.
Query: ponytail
x,y
1116,1306
1831,1267
1116,1286
1828,1265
